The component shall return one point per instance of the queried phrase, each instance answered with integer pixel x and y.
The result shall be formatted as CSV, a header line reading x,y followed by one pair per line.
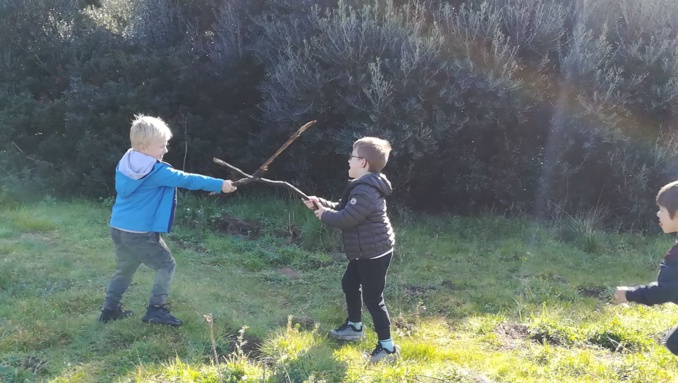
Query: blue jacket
x,y
146,189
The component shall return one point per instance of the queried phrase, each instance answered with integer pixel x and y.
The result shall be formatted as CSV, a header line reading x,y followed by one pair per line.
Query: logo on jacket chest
x,y
353,201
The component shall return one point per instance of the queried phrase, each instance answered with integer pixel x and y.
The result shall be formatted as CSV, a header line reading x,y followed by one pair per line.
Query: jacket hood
x,y
131,170
377,181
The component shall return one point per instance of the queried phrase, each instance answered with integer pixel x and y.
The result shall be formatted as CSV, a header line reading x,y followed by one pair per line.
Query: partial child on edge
x,y
144,208
665,289
368,241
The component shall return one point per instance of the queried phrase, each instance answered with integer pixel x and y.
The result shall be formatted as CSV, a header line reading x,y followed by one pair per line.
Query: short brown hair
x,y
374,150
668,197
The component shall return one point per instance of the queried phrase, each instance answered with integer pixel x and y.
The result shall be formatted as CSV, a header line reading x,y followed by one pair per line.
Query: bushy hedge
x,y
519,106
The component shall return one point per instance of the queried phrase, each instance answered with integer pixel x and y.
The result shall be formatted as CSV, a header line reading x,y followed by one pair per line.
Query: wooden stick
x,y
249,178
263,168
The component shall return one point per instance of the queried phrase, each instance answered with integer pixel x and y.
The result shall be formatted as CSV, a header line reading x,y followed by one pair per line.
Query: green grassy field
x,y
484,299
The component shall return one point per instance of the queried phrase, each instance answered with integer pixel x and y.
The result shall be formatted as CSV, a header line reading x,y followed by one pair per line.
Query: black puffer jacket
x,y
361,216
666,287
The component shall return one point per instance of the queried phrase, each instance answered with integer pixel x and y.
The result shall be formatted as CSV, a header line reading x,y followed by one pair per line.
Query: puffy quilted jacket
x,y
361,216
665,289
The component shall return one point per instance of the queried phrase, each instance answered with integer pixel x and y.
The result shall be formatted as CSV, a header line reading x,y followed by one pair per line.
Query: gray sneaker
x,y
348,332
379,353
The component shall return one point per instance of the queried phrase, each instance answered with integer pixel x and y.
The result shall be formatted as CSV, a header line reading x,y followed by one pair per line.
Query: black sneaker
x,y
160,315
379,353
119,313
348,332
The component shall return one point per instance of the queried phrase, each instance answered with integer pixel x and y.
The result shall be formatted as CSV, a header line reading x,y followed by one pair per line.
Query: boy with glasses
x,y
368,240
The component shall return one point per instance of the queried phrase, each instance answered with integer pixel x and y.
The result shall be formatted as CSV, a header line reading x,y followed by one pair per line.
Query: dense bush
x,y
537,106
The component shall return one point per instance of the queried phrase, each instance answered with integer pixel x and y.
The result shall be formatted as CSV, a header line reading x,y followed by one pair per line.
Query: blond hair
x,y
145,129
374,150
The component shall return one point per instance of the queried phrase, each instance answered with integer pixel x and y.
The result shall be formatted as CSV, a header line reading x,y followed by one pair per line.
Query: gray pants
x,y
131,250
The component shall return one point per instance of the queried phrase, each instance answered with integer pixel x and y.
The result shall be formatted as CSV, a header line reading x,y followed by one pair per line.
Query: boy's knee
x,y
166,265
169,264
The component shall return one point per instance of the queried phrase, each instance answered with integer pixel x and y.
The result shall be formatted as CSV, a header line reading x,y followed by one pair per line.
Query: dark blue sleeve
x,y
357,208
662,291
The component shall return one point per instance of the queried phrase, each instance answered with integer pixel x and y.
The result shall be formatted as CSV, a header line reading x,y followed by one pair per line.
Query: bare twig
x,y
210,323
183,168
250,178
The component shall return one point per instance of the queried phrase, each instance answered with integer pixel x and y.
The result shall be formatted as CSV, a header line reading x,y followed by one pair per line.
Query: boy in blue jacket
x,y
665,289
144,208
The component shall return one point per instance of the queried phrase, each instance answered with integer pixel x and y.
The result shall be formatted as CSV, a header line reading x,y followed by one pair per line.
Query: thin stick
x,y
275,155
210,323
250,178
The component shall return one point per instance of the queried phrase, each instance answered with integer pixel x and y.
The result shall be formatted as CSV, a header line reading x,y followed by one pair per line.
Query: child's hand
x,y
312,202
319,211
620,295
227,187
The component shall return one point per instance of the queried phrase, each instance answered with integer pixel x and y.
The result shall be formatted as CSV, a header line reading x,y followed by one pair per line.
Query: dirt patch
x,y
187,245
236,226
512,330
290,273
43,237
36,237
250,345
403,325
418,290
512,334
451,285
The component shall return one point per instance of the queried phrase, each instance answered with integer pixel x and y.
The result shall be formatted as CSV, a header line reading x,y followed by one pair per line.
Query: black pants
x,y
671,340
364,280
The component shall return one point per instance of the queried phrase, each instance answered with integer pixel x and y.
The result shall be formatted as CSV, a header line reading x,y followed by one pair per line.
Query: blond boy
x,y
144,208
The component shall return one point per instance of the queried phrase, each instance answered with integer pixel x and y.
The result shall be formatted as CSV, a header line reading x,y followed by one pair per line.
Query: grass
x,y
485,299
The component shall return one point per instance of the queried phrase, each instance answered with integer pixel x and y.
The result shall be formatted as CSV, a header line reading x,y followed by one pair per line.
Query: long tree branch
x,y
249,178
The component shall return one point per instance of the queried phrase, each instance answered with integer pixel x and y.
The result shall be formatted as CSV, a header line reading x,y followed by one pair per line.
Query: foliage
x,y
514,106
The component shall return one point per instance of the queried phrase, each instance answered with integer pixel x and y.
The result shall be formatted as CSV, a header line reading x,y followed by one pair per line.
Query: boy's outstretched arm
x,y
168,176
662,291
314,201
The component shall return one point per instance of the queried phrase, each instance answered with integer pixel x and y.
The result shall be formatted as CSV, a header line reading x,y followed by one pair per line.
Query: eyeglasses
x,y
352,156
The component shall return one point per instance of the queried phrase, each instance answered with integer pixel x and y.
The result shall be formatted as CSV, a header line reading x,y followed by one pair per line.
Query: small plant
x,y
585,230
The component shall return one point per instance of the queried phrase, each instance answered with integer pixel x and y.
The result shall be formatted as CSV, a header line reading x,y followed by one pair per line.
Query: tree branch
x,y
249,178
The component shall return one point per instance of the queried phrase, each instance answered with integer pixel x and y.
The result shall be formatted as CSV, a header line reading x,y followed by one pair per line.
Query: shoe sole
x,y
166,324
386,359
350,338
113,319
